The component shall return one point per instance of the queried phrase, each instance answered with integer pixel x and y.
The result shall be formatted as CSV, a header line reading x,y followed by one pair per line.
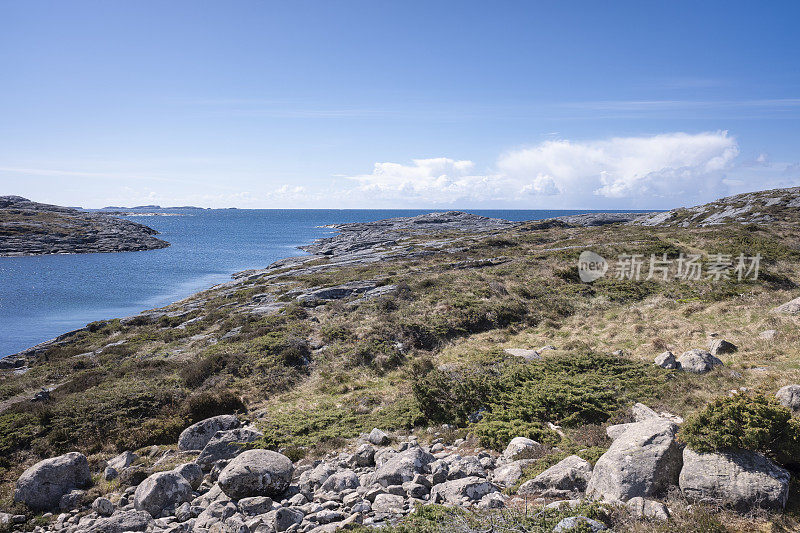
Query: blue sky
x,y
397,104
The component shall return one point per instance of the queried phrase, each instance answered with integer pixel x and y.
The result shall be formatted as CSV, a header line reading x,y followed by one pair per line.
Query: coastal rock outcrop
x,y
30,228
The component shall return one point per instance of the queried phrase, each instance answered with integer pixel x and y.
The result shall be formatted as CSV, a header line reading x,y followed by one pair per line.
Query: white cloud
x,y
622,171
436,181
622,167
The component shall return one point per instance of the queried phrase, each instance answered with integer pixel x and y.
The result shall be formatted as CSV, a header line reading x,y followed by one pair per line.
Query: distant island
x,y
31,228
146,208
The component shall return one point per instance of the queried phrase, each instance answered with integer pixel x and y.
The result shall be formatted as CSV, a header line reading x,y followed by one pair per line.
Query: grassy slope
x,y
380,361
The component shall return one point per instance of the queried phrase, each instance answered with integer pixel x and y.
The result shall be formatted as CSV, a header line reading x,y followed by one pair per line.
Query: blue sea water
x,y
44,296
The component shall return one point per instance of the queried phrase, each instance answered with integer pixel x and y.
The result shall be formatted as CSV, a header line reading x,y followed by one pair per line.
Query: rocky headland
x,y
31,228
445,372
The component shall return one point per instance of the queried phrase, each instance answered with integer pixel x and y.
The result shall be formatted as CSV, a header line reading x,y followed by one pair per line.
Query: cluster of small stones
x,y
218,486
697,361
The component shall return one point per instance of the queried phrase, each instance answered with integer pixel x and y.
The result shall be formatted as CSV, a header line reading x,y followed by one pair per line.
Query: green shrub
x,y
518,399
437,518
196,372
744,421
331,333
17,431
202,405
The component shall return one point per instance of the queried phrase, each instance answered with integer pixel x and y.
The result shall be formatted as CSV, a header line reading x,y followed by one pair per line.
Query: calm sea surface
x,y
44,296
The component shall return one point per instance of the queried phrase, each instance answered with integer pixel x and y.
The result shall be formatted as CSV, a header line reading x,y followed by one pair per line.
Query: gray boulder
x,y
122,461
226,444
255,505
72,500
722,347
256,473
378,437
191,472
641,412
103,507
311,480
196,436
214,513
529,355
123,522
364,456
341,481
42,485
741,479
615,431
789,396
643,508
509,473
161,491
573,523
568,477
465,467
698,361
642,461
388,504
469,488
403,467
284,518
519,445
667,360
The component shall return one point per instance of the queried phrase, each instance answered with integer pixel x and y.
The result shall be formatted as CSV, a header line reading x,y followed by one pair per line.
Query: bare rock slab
x,y
528,355
741,479
789,308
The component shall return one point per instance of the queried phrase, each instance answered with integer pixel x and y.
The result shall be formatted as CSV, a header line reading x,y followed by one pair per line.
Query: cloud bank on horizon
x,y
637,172
658,171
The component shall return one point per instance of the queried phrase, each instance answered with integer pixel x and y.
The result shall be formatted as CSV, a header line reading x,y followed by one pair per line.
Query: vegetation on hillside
x,y
312,376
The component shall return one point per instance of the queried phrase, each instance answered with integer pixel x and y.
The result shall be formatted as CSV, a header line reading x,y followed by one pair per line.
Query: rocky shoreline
x,y
30,228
